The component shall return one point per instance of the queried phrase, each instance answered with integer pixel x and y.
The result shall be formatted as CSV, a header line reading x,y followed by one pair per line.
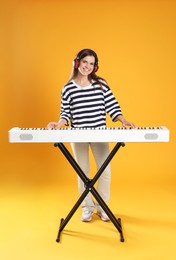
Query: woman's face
x,y
86,65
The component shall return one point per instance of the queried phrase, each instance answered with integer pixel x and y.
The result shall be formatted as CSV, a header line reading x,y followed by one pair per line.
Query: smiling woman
x,y
137,55
86,99
86,62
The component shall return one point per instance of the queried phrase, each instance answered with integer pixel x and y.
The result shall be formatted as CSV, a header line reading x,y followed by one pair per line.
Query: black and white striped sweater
x,y
86,107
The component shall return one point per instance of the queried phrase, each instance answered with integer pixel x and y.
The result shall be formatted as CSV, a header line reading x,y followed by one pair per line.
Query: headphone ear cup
x,y
76,63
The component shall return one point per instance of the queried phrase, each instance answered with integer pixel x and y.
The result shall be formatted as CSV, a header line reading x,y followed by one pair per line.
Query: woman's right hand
x,y
53,125
57,125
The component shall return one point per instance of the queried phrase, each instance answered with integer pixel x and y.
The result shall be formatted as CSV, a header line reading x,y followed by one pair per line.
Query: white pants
x,y
100,152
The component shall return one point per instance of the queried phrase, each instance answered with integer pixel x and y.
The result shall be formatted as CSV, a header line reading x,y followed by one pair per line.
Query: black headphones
x,y
84,53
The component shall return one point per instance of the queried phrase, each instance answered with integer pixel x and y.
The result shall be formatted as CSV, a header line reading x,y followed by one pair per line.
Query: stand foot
x,y
121,233
59,232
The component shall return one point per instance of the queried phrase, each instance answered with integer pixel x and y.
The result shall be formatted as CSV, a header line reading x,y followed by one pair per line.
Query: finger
x,y
50,126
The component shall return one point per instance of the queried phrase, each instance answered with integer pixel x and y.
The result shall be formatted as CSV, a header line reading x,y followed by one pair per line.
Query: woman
x,y
86,99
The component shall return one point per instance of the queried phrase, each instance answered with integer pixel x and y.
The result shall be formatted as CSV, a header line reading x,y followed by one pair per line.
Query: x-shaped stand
x,y
89,187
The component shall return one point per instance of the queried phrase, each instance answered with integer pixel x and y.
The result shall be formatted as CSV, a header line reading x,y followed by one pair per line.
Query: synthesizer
x,y
84,135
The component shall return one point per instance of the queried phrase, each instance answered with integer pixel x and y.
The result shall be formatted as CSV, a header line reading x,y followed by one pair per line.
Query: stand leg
x,y
116,222
106,162
64,222
89,188
72,161
59,232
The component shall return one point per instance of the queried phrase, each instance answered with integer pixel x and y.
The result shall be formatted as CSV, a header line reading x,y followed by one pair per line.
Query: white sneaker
x,y
103,216
86,216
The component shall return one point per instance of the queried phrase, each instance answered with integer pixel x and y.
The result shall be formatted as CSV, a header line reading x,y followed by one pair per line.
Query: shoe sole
x,y
103,219
87,219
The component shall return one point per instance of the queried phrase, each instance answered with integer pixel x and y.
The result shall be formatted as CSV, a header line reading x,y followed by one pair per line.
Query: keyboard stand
x,y
90,188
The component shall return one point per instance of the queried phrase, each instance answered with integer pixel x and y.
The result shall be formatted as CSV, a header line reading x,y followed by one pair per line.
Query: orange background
x,y
135,41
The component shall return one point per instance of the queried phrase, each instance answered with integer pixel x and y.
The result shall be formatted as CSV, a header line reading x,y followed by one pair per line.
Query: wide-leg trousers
x,y
100,152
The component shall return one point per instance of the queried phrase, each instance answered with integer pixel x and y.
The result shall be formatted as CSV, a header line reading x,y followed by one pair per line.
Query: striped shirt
x,y
86,107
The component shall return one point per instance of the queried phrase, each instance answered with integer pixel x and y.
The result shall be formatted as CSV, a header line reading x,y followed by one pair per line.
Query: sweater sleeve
x,y
111,104
65,106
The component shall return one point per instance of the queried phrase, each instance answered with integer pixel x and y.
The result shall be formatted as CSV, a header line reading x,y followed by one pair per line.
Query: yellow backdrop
x,y
135,41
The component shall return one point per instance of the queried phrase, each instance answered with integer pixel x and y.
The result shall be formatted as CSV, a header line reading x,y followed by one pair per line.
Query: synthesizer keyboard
x,y
84,135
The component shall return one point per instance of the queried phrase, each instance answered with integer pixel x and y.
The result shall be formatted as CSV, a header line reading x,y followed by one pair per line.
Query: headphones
x,y
77,61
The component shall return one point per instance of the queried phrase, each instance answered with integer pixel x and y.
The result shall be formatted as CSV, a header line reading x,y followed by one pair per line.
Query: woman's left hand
x,y
127,124
124,122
